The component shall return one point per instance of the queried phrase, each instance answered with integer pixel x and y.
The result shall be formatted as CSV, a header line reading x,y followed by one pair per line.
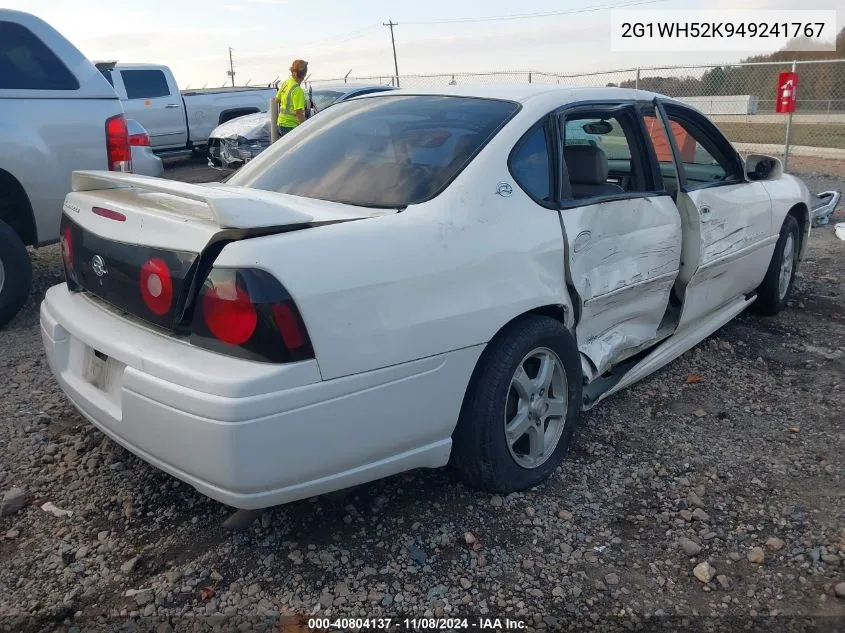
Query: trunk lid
x,y
119,229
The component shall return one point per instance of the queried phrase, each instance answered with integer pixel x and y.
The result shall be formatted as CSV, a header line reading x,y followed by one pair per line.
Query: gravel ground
x,y
709,495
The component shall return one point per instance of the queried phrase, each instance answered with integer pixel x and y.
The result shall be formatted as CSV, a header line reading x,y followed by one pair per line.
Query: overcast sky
x,y
335,36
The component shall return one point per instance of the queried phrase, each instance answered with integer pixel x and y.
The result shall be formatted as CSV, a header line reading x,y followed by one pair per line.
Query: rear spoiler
x,y
231,207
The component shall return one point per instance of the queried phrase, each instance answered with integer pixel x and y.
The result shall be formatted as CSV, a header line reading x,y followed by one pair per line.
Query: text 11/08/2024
x,y
415,624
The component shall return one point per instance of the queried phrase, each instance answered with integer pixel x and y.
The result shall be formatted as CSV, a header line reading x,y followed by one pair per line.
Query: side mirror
x,y
762,167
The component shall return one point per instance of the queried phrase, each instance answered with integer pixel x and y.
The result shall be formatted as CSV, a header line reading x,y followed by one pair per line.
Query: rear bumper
x,y
146,163
250,435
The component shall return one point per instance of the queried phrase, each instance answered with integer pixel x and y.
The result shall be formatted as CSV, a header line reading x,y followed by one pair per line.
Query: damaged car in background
x,y
823,206
499,276
236,142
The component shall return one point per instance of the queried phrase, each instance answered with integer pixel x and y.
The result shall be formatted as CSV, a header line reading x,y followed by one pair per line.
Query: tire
x,y
482,454
15,274
774,291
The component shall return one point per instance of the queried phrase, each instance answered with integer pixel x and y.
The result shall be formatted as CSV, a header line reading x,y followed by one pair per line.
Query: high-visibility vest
x,y
287,112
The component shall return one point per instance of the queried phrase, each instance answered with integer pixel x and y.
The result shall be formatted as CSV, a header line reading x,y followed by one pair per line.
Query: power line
x,y
360,32
542,14
353,35
346,37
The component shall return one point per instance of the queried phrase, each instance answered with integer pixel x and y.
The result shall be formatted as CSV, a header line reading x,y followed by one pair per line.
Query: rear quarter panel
x,y
439,276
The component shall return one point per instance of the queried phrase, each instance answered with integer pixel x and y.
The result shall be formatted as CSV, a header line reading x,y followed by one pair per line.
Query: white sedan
x,y
454,282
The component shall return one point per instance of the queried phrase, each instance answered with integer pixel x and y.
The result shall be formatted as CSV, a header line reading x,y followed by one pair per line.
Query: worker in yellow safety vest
x,y
291,98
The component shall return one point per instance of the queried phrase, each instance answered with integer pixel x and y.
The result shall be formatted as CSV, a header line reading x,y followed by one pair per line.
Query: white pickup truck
x,y
57,115
178,120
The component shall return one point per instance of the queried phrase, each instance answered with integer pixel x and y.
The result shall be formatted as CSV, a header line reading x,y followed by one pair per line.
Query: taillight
x,y
229,313
156,284
286,321
139,140
118,150
67,246
66,239
247,313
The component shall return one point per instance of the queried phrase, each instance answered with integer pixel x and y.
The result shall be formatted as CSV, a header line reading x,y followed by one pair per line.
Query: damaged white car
x,y
455,281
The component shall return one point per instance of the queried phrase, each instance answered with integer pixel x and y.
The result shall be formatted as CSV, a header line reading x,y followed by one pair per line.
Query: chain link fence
x,y
739,98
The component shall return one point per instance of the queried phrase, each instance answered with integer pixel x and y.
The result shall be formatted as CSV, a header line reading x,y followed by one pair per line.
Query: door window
x,y
604,154
706,157
145,84
26,63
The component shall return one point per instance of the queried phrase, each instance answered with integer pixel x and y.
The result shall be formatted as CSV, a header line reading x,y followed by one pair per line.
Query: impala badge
x,y
99,266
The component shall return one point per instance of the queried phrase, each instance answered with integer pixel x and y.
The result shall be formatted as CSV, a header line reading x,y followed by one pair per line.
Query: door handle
x,y
704,214
172,105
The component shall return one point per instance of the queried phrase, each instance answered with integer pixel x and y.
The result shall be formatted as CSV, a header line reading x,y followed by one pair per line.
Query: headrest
x,y
587,165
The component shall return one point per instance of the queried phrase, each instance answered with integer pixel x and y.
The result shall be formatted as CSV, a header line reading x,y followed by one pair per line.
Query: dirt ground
x,y
817,168
710,496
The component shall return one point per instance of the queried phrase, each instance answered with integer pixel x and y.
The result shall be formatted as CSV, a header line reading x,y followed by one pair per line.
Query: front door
x,y
156,104
728,218
622,230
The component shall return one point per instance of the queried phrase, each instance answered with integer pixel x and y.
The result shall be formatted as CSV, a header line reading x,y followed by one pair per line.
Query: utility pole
x,y
391,24
231,71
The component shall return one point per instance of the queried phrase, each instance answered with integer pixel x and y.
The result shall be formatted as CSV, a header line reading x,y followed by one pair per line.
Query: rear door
x,y
729,238
153,99
623,232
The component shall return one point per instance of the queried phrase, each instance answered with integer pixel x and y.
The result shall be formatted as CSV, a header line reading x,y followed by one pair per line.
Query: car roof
x,y
524,93
344,88
131,65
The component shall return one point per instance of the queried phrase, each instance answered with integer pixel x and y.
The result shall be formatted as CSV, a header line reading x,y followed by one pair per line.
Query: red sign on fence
x,y
787,86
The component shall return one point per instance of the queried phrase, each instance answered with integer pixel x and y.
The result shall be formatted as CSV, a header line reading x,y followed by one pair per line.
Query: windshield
x,y
323,98
386,152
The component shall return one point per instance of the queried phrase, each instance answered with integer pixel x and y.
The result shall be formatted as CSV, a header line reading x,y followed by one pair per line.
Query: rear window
x,y
27,64
144,84
386,152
